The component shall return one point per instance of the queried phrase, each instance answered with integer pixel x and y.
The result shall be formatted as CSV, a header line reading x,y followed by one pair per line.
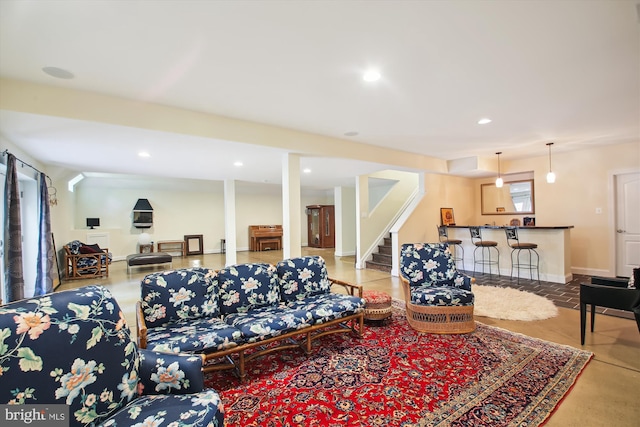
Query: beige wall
x,y
584,182
441,191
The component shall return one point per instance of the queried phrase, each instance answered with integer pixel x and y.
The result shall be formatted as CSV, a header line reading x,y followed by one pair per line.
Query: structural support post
x,y
230,221
291,209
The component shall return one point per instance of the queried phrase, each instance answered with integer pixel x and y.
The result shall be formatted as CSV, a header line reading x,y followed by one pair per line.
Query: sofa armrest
x,y
349,287
141,326
166,373
610,281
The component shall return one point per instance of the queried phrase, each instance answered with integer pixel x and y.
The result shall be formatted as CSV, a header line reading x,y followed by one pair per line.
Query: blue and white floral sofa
x,y
241,312
75,348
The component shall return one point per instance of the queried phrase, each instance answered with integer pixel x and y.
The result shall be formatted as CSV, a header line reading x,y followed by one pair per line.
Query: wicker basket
x,y
457,319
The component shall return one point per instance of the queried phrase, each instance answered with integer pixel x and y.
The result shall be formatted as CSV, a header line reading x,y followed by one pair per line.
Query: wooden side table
x,y
172,243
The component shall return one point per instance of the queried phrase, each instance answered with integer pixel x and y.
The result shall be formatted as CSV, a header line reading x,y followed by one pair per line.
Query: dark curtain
x,y
13,277
44,277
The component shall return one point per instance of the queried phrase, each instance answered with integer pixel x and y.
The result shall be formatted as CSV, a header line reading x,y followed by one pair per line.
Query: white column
x,y
362,211
291,209
230,221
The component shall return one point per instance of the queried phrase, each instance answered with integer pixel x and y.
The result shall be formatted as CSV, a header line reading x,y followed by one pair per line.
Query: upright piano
x,y
265,236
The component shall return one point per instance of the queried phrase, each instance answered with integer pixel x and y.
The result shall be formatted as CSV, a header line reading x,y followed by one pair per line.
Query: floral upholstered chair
x,y
438,297
74,347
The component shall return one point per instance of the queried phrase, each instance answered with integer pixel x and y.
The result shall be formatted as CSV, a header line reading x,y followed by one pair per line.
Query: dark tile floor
x,y
563,295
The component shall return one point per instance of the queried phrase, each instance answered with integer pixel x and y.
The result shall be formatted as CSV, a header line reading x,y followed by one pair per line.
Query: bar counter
x,y
554,248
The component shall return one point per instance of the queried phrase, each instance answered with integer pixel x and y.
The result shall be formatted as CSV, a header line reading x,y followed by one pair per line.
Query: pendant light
x,y
499,180
551,177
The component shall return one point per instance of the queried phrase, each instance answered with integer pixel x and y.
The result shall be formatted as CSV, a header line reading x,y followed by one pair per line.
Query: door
x,y
627,223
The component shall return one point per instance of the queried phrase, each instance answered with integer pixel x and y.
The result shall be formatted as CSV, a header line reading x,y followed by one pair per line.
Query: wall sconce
x,y
499,180
551,177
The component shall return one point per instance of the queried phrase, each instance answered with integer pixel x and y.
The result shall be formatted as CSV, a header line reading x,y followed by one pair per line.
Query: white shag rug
x,y
511,304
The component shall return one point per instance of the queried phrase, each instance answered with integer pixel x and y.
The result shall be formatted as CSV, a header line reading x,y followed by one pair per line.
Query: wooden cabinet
x,y
321,226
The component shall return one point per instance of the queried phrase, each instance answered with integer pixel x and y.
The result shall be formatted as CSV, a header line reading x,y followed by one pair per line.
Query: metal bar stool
x,y
516,247
484,245
443,235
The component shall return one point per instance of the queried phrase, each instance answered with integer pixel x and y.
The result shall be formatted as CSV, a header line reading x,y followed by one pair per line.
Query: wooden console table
x,y
177,245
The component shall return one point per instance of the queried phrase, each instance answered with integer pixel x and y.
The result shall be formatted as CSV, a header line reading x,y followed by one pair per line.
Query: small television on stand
x,y
93,222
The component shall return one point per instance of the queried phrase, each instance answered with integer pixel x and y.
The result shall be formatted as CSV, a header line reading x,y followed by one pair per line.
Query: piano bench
x,y
271,244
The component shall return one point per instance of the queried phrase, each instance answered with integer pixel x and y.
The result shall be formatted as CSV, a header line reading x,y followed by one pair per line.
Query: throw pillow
x,y
90,249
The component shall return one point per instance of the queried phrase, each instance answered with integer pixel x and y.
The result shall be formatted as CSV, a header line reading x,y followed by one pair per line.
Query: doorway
x,y
627,222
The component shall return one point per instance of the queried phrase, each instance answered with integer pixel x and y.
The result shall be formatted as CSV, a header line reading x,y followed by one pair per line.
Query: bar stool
x,y
443,235
516,247
488,245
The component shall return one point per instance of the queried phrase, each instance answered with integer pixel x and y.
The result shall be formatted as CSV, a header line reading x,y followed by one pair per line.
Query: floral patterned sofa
x,y
74,347
241,312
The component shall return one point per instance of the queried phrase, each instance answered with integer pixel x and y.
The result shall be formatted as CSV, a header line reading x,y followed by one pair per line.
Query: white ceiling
x,y
561,71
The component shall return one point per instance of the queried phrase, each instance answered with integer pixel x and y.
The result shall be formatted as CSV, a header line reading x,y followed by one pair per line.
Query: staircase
x,y
382,259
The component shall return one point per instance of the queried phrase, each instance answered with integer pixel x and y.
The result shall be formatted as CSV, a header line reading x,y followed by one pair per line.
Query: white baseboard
x,y
592,272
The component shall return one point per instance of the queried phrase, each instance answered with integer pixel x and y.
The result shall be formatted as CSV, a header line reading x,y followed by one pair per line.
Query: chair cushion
x,y
268,321
446,296
74,247
431,264
486,243
174,295
193,335
202,409
325,307
302,277
247,286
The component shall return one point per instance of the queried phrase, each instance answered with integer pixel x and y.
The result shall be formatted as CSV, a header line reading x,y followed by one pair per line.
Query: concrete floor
x,y
606,394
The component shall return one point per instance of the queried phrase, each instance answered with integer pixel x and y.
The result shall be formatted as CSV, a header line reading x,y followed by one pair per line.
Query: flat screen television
x,y
93,222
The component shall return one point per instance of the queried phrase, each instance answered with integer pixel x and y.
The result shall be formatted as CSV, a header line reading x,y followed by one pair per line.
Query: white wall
x,y
179,207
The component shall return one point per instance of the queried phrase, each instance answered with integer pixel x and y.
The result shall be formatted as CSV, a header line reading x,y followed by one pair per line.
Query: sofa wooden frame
x,y
100,269
217,360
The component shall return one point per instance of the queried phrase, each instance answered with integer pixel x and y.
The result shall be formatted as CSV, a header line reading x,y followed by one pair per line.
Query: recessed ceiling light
x,y
371,76
352,133
306,170
484,121
144,154
238,164
58,73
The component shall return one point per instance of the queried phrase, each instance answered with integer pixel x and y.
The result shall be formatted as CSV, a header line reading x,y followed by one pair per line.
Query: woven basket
x,y
457,319
377,313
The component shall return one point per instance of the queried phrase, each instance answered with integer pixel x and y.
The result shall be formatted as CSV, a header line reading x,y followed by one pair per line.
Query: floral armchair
x,y
74,347
438,297
82,260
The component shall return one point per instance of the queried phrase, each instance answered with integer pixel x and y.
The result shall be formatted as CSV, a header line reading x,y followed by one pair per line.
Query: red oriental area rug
x,y
395,376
